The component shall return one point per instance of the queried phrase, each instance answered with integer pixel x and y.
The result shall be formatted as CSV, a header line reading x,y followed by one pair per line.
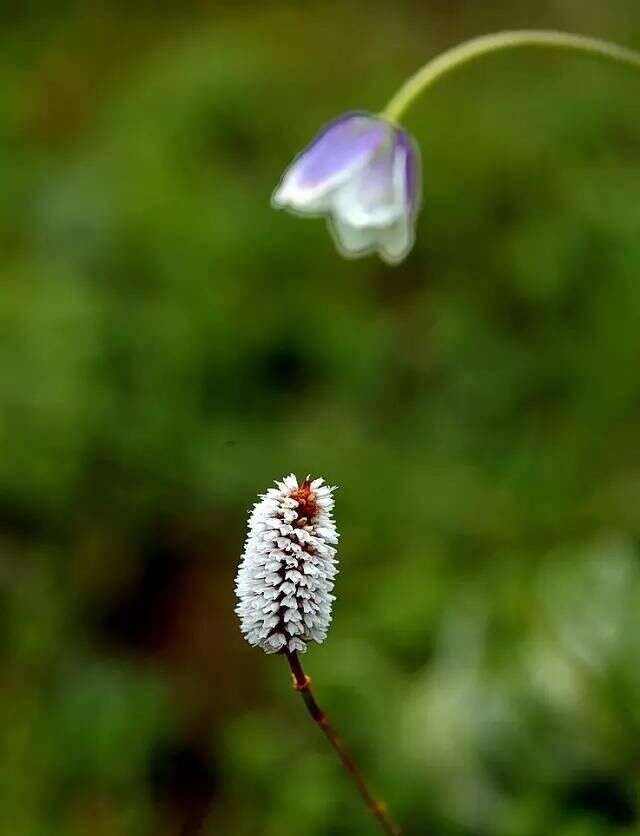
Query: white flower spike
x,y
286,574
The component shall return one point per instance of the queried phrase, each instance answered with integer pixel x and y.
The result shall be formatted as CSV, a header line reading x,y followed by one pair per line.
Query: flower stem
x,y
463,53
302,684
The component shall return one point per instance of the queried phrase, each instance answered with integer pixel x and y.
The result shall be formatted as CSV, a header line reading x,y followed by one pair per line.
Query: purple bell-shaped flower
x,y
363,174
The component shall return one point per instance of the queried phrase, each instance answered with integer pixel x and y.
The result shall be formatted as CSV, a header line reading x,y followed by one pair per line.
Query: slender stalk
x,y
302,684
462,54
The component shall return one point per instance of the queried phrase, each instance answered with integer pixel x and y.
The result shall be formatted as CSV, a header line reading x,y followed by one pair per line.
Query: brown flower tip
x,y
307,503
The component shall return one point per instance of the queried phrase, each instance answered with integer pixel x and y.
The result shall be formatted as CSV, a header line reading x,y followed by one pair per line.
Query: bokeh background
x,y
169,345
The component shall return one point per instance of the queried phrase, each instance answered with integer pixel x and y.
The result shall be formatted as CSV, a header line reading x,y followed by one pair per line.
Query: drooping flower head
x,y
363,173
286,574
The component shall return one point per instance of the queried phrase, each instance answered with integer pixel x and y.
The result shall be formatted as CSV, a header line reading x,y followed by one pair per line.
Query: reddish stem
x,y
302,684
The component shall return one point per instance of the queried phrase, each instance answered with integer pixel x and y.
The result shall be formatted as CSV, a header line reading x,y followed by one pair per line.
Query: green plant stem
x,y
453,58
302,684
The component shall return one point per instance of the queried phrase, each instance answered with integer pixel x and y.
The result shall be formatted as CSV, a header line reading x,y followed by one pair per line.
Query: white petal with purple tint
x,y
353,241
375,197
396,241
340,150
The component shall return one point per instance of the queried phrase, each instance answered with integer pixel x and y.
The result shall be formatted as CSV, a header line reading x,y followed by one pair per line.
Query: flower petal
x,y
396,241
342,148
353,241
377,195
413,174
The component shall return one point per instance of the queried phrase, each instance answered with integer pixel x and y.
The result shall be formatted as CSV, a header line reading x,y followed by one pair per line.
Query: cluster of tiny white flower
x,y
286,574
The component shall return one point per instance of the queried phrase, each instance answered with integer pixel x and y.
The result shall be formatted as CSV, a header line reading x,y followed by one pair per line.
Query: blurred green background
x,y
169,345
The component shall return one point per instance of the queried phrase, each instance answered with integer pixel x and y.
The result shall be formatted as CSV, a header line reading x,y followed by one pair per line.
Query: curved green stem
x,y
462,54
